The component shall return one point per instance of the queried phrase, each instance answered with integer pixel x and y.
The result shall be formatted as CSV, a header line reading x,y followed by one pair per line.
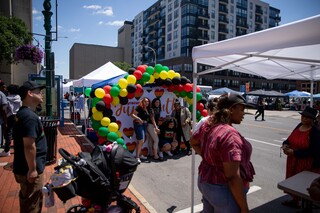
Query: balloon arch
x,y
103,120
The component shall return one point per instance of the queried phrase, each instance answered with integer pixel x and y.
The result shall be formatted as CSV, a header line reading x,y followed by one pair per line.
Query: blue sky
x,y
97,22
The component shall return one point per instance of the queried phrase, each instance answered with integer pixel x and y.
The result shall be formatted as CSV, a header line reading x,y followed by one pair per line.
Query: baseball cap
x,y
29,85
309,112
228,100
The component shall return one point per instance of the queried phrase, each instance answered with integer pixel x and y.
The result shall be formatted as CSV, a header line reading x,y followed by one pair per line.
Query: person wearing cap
x,y
302,148
225,170
30,148
183,120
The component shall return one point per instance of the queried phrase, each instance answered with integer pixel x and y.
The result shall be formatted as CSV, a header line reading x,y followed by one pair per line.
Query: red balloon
x,y
200,106
108,106
137,74
130,95
204,113
198,89
107,99
171,88
180,88
101,140
142,68
139,88
188,87
107,89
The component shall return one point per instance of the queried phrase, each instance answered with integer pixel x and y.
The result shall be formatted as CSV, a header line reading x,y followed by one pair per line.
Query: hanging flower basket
x,y
29,52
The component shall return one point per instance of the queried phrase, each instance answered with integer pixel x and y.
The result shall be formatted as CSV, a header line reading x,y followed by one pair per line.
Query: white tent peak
x,y
290,51
106,71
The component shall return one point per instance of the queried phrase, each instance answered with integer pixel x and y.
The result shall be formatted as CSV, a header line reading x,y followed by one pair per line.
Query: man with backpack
x,y
14,103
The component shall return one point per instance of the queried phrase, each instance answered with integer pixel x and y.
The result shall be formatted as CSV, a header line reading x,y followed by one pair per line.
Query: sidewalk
x,y
71,140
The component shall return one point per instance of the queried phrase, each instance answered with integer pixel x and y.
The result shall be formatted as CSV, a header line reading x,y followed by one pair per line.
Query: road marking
x,y
271,144
267,127
198,208
278,141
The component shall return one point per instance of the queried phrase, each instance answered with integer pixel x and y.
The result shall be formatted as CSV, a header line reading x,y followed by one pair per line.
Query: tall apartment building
x,y
169,29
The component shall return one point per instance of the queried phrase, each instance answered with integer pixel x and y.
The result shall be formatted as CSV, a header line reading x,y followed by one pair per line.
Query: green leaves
x,y
13,33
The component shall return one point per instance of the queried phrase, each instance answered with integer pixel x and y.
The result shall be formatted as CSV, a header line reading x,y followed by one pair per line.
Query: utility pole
x,y
49,73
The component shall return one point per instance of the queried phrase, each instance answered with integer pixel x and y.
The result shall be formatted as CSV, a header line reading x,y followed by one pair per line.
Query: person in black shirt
x,y
141,116
30,148
167,137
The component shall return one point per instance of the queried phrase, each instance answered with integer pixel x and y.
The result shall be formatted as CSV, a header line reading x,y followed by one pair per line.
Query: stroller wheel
x,y
77,209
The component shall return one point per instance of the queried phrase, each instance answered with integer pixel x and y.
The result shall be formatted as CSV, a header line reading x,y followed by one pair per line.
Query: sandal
x,y
291,204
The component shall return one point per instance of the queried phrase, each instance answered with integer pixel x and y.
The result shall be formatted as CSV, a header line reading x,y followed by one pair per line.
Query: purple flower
x,y
29,52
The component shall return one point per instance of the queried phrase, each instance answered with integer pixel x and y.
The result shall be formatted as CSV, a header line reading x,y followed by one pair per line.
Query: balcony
x,y
223,19
258,19
259,11
223,30
203,26
223,10
224,1
242,25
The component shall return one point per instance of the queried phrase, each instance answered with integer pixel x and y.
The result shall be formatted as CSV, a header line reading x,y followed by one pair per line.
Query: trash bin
x,y
50,130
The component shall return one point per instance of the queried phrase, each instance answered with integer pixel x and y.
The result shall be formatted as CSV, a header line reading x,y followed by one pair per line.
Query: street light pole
x,y
47,26
155,55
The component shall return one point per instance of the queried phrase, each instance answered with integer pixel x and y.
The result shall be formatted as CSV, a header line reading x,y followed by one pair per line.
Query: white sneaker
x,y
138,159
143,157
161,154
5,154
169,153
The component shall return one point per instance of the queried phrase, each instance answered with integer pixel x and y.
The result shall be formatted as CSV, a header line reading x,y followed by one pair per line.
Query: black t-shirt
x,y
166,133
143,114
28,124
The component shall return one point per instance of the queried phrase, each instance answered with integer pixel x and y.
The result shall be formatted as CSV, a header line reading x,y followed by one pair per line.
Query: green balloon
x,y
145,76
150,70
87,91
183,94
125,146
158,68
120,141
165,68
199,96
95,124
114,91
198,114
126,76
190,95
112,136
95,100
190,107
103,131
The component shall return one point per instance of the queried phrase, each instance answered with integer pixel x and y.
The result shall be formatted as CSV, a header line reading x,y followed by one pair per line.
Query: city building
x,y
85,58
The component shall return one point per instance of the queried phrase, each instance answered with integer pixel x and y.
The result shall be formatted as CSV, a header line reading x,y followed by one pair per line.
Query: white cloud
x,y
60,27
112,23
74,30
38,18
92,7
107,11
34,12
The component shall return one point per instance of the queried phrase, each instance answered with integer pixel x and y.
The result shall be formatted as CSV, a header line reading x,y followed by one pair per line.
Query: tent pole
x,y
194,119
311,86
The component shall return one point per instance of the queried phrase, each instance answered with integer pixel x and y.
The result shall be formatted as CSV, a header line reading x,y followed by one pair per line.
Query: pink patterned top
x,y
223,143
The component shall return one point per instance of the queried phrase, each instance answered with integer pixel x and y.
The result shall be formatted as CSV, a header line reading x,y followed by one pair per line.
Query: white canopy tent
x,y
106,71
291,51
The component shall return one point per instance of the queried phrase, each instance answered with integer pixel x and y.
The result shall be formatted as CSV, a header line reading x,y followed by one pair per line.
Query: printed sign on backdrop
x,y
125,121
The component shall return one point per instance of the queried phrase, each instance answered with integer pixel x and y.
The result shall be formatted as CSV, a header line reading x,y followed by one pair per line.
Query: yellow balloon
x,y
163,75
177,75
113,127
189,100
105,121
123,83
131,79
94,109
115,101
156,75
97,115
151,79
99,93
171,74
119,134
123,92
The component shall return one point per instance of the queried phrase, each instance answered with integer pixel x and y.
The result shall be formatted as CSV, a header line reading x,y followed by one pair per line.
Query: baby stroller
x,y
100,178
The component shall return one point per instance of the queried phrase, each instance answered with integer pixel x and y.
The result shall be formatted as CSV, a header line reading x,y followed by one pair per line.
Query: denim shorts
x,y
140,130
217,198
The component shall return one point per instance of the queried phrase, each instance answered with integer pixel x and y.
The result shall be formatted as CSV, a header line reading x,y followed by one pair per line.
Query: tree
x,y
13,34
123,65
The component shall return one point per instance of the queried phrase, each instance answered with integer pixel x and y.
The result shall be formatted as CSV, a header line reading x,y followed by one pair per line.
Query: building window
x,y
176,24
169,37
169,47
176,4
175,34
188,67
169,7
169,27
176,14
175,45
170,17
